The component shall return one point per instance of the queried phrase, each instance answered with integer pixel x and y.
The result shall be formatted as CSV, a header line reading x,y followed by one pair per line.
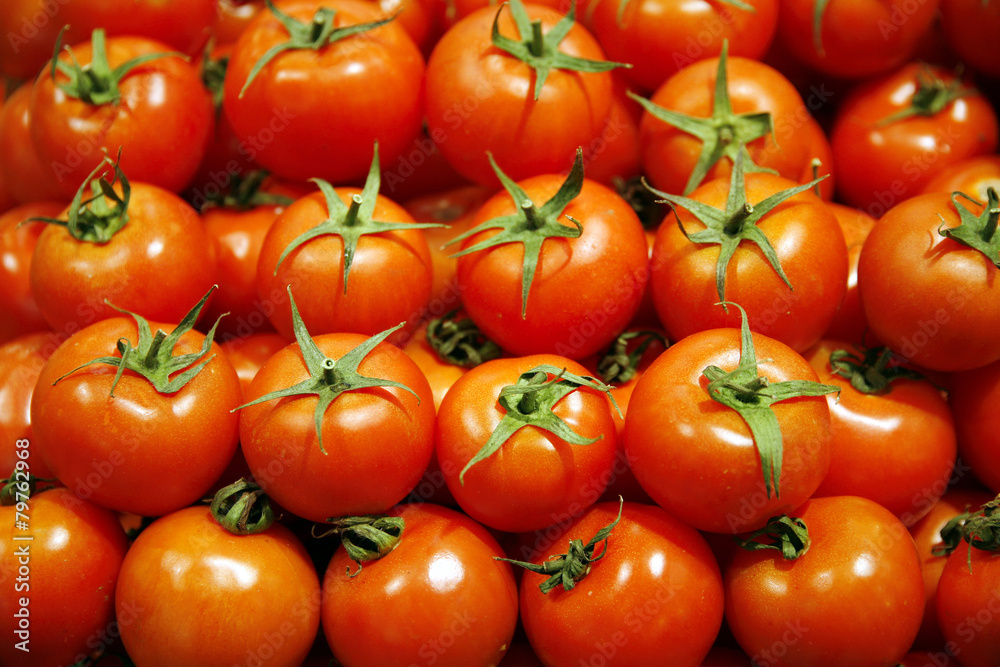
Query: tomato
x,y
603,265
929,297
973,176
248,354
927,535
849,323
972,398
652,596
970,28
316,111
882,158
25,176
829,606
362,425
438,597
74,553
808,245
441,374
696,457
660,37
482,98
21,361
855,38
18,240
157,114
536,477
249,599
968,601
420,169
869,421
143,450
615,156
158,264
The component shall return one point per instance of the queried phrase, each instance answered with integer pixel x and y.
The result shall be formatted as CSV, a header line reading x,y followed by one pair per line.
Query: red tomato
x,y
970,29
868,427
141,451
25,176
74,552
234,16
849,323
162,122
248,354
930,298
363,428
536,477
660,37
18,306
968,602
249,599
973,397
316,113
696,457
972,176
829,606
441,374
21,361
439,597
481,98
881,162
615,156
654,597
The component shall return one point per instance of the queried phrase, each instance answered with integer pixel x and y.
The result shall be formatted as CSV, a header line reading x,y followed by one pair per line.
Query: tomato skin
x,y
21,361
158,265
658,36
26,177
75,553
440,374
141,451
972,176
929,298
811,250
867,430
536,478
481,98
629,608
604,269
861,562
970,28
362,430
695,457
965,595
879,166
245,597
17,246
317,114
439,597
849,323
249,353
163,106
972,398
926,535
314,270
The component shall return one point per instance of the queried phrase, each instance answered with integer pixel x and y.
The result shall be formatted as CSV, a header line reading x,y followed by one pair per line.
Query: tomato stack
x,y
446,332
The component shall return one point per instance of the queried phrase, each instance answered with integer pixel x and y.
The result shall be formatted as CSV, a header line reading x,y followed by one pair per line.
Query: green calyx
x,y
96,83
819,11
979,529
930,98
459,341
735,224
977,231
93,220
870,370
540,51
153,356
530,401
530,225
724,134
244,193
365,538
352,222
783,533
242,508
314,35
743,389
568,569
21,485
213,75
329,378
618,364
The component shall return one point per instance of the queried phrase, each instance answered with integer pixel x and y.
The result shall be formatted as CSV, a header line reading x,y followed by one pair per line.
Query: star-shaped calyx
x,y
977,231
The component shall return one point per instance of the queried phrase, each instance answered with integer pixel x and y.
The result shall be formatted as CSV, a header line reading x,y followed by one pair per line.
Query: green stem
x,y
351,218
537,43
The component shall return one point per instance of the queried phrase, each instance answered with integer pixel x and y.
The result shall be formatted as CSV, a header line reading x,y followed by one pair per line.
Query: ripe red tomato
x,y
161,118
25,176
829,606
973,176
315,113
881,161
536,477
439,597
652,596
968,601
849,323
74,553
970,28
141,450
249,599
18,240
248,354
930,298
972,398
21,361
